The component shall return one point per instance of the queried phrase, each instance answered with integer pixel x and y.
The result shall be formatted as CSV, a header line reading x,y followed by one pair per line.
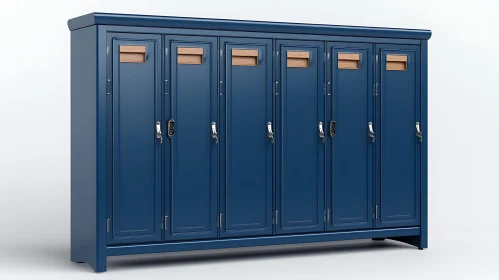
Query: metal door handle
x,y
159,135
418,132
270,134
371,131
321,132
214,133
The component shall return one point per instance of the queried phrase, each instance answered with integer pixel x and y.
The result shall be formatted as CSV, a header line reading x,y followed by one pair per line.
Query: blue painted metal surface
x,y
300,187
136,151
424,145
350,194
260,35
192,199
88,242
246,190
260,241
242,25
400,151
237,115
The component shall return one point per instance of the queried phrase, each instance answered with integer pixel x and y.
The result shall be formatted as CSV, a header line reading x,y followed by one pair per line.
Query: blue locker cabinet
x,y
195,134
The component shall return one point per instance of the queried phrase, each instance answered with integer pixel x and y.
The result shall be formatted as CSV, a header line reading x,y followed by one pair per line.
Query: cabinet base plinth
x,y
392,233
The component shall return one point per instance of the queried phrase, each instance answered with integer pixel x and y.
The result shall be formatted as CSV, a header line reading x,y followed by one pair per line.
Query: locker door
x,y
136,156
246,195
300,187
191,200
350,193
399,184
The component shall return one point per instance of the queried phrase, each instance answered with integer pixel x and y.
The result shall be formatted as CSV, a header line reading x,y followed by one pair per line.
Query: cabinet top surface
x,y
244,25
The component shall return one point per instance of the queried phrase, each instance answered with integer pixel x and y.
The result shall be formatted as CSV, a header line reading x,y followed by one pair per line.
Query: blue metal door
x,y
398,191
191,192
300,150
136,151
350,191
246,179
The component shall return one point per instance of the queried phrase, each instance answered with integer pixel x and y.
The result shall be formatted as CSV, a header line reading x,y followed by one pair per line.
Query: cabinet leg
x,y
411,240
378,239
98,264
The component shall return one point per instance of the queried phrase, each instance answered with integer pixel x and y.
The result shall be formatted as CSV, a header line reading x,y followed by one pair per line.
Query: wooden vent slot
x,y
133,54
189,55
298,59
348,60
396,62
244,57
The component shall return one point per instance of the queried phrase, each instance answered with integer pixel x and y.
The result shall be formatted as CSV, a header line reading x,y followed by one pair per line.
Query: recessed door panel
x,y
136,156
350,193
399,191
300,191
246,193
191,204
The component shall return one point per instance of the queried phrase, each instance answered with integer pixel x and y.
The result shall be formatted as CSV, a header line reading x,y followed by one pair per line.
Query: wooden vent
x,y
133,54
348,61
396,62
244,57
298,59
187,55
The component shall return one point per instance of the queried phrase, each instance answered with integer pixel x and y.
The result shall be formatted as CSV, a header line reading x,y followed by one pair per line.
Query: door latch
x,y
214,133
371,131
418,132
159,134
270,134
171,128
321,132
332,128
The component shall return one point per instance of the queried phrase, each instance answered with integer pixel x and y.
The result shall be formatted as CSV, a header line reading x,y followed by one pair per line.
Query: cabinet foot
x,y
411,240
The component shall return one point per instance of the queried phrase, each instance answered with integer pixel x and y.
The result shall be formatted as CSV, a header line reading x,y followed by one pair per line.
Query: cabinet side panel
x,y
84,241
424,144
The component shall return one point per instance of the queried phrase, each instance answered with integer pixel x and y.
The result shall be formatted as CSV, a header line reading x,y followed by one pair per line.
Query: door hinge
x,y
164,223
108,225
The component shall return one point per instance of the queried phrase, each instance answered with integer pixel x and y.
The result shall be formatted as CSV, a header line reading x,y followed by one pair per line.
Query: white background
x,y
463,150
